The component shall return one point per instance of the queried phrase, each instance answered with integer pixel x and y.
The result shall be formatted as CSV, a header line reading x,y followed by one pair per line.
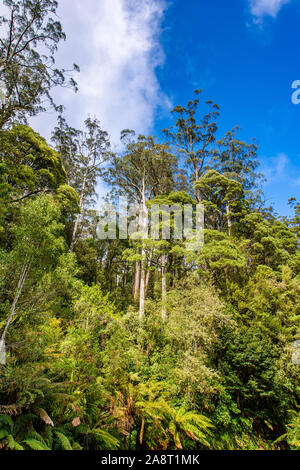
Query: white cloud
x,y
277,168
261,8
116,44
3,9
281,162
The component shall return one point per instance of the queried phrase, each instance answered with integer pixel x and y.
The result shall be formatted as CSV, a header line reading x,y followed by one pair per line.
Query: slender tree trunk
x,y
81,201
147,281
136,281
197,191
144,219
20,286
142,287
148,272
196,168
125,275
229,222
163,288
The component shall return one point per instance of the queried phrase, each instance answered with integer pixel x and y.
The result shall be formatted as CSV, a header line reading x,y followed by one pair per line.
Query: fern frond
x,y
64,441
13,444
34,444
104,436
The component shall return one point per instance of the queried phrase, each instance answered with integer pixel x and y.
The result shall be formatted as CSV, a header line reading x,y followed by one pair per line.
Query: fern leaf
x,y
64,441
34,444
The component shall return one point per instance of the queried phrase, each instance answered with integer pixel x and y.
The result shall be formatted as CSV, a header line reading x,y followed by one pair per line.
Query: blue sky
x,y
139,58
246,64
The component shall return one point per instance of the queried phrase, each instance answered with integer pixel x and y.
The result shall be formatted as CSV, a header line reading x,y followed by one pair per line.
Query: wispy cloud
x,y
281,162
276,169
117,45
3,9
261,8
281,175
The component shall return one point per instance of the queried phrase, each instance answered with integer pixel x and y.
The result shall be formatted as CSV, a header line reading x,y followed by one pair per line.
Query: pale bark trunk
x,y
229,222
136,281
147,281
163,288
142,287
81,200
196,168
20,286
148,273
144,221
197,191
125,275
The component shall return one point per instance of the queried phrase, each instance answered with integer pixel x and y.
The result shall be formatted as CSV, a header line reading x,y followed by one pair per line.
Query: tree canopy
x,y
138,342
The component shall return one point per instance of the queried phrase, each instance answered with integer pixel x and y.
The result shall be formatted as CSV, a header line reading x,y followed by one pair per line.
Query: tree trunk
x,y
147,281
163,288
81,200
136,281
197,191
144,221
229,222
125,275
196,168
20,286
148,272
142,287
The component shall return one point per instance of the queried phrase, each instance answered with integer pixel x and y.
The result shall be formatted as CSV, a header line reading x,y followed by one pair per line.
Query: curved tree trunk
x,y
12,313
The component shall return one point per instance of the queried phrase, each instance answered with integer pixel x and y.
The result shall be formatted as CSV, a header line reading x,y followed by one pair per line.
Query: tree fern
x,y
35,444
48,436
195,426
63,441
110,442
13,444
6,422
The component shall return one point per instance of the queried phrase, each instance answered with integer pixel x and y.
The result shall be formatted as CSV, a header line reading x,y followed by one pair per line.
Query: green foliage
x,y
208,361
29,74
293,434
31,165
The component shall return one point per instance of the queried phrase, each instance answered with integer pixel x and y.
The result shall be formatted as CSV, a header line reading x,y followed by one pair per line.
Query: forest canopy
x,y
137,343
